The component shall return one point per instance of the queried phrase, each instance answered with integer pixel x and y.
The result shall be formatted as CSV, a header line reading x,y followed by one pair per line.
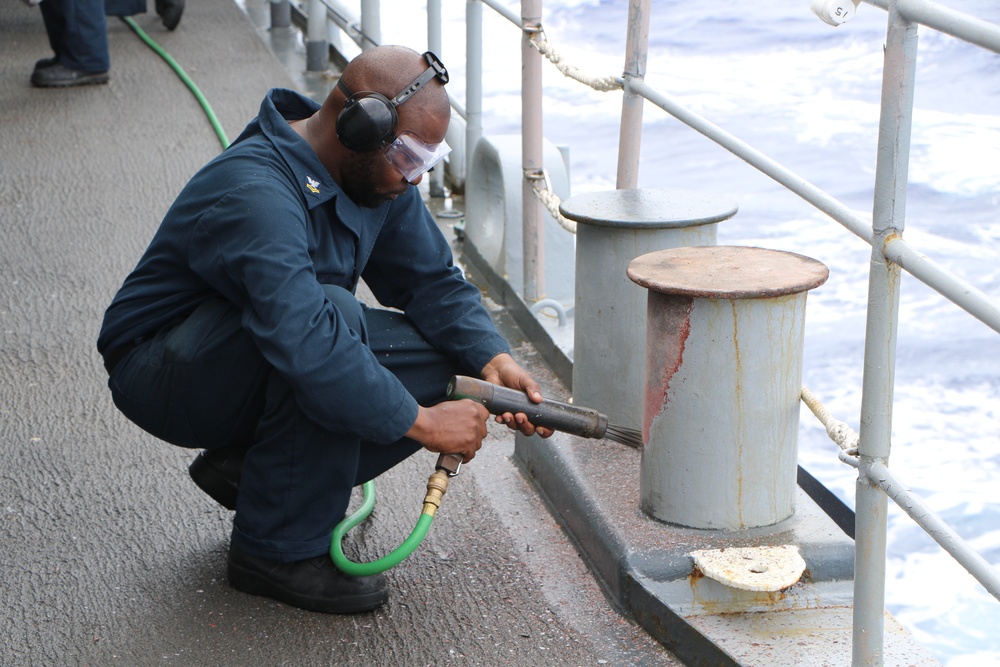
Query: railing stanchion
x,y
630,133
473,79
880,337
533,237
371,23
434,43
281,13
317,46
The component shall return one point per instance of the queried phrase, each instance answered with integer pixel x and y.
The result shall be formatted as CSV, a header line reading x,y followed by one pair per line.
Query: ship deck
x,y
110,554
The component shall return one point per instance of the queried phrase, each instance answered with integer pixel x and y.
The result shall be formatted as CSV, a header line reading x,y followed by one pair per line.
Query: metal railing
x,y
889,256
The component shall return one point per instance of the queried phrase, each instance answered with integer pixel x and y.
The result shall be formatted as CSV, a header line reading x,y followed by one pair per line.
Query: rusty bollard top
x,y
727,272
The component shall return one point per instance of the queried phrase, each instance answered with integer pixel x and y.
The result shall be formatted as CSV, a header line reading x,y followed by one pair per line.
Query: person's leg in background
x,y
77,31
169,11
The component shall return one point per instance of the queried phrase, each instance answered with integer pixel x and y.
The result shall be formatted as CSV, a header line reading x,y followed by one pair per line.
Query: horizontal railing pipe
x,y
960,292
349,24
943,19
942,533
508,14
786,177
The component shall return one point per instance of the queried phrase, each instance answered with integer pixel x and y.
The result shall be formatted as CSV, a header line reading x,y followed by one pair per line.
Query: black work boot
x,y
217,473
314,584
54,75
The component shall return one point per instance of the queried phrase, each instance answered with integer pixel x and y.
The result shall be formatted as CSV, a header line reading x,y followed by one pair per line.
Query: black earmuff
x,y
368,120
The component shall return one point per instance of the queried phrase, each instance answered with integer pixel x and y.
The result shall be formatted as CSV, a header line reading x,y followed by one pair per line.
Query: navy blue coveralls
x,y
239,327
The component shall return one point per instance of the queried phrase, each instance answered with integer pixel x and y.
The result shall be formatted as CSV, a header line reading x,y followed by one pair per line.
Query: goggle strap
x,y
434,71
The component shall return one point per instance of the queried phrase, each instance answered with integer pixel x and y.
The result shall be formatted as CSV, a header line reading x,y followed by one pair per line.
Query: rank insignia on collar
x,y
312,184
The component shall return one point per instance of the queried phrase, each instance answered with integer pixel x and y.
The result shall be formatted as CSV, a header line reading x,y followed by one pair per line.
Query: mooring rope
x,y
839,431
602,84
550,200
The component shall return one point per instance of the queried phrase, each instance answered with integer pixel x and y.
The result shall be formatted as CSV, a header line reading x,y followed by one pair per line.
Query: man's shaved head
x,y
387,70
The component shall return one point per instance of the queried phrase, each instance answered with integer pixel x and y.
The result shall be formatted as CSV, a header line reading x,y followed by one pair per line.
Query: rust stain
x,y
741,602
669,327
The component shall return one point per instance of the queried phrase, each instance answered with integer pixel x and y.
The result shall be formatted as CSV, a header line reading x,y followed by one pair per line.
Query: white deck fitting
x,y
768,568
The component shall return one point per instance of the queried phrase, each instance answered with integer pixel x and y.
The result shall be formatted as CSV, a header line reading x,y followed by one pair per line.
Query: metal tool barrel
x,y
583,422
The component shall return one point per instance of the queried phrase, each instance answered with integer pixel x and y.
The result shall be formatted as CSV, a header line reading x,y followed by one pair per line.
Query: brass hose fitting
x,y
447,466
437,486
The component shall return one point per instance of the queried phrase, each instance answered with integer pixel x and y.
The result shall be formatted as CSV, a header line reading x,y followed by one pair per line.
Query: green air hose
x,y
336,552
183,76
382,564
437,485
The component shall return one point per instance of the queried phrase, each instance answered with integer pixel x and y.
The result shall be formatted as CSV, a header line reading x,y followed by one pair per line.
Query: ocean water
x,y
807,94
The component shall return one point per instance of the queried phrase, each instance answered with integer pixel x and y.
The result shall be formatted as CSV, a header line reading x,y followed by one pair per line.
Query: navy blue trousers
x,y
201,383
77,30
77,33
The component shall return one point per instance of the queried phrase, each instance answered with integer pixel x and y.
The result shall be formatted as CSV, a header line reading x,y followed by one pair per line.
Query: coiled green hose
x,y
393,559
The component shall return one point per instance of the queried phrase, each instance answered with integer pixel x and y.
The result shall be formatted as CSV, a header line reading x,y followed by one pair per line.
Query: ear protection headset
x,y
369,120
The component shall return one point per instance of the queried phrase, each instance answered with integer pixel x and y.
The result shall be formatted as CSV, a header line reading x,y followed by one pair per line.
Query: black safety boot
x,y
59,76
217,473
314,584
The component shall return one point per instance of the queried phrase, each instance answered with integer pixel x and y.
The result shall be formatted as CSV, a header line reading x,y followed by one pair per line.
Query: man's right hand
x,y
451,427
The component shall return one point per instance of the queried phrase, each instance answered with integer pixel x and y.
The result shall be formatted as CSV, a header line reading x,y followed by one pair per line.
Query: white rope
x,y
551,201
839,432
603,84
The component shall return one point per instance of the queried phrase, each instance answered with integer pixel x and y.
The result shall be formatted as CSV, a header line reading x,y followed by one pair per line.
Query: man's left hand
x,y
504,371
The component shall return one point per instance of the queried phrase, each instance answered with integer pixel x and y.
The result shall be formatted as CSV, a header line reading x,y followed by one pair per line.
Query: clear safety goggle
x,y
412,157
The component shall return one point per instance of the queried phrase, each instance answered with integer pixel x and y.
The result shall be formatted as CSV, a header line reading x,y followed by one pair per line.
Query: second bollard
x,y
609,333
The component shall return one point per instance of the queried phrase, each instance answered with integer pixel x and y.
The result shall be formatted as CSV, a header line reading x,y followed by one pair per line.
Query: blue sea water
x,y
807,94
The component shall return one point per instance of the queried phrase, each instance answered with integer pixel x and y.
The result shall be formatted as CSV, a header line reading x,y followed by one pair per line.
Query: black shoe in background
x,y
60,76
314,584
170,12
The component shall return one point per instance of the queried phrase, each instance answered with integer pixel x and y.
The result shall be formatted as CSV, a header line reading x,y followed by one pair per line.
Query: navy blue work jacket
x,y
265,226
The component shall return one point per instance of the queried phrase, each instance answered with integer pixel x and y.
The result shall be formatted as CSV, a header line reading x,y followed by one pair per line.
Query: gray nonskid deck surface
x,y
108,553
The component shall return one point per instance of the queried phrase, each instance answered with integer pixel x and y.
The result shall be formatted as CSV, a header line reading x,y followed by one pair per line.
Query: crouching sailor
x,y
238,332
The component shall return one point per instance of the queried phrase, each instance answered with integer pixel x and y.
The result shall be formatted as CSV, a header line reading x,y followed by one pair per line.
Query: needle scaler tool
x,y
572,419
